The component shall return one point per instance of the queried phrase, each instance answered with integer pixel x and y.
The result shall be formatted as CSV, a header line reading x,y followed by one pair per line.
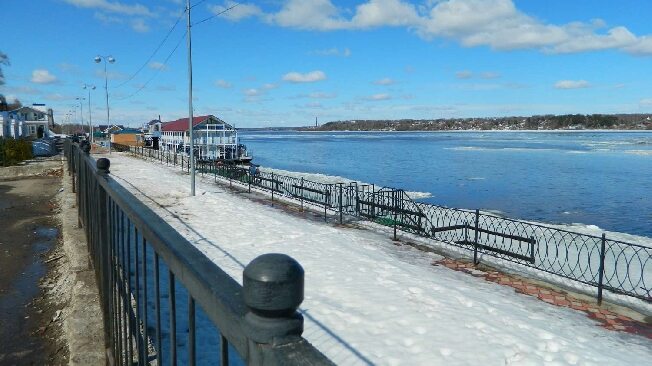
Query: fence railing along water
x,y
145,268
607,264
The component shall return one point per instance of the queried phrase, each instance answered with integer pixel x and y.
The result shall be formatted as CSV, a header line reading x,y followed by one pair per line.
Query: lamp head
x,y
110,59
97,59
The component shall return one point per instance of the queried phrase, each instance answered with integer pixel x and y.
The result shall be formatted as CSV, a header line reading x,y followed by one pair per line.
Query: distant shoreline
x,y
303,129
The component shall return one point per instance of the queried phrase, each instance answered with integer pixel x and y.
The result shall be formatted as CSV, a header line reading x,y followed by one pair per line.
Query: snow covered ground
x,y
368,301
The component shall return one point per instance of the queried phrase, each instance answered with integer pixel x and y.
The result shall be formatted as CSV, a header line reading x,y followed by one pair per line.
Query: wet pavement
x,y
28,232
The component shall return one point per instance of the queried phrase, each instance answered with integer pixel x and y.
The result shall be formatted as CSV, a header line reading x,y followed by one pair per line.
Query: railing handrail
x,y
218,294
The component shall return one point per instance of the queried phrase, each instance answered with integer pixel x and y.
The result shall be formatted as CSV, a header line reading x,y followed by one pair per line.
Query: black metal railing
x,y
161,296
620,267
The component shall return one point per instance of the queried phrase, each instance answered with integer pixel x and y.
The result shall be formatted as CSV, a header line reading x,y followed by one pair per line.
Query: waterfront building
x,y
213,138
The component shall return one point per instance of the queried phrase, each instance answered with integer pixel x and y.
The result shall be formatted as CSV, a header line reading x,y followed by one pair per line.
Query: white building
x,y
25,122
212,138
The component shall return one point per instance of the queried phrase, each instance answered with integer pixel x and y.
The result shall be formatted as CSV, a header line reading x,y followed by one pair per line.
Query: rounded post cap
x,y
273,285
103,164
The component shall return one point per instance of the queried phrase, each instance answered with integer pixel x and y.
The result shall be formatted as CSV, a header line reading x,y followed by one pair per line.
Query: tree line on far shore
x,y
543,122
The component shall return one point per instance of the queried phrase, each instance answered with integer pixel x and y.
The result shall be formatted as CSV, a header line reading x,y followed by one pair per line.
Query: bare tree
x,y
4,60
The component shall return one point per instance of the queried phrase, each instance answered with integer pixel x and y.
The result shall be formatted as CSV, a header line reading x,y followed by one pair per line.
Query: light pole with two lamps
x,y
90,115
81,110
111,60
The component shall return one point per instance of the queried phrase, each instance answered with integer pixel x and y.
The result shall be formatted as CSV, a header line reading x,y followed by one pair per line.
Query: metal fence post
x,y
272,290
73,158
475,240
272,187
340,186
357,200
373,201
601,270
395,206
325,202
301,195
103,165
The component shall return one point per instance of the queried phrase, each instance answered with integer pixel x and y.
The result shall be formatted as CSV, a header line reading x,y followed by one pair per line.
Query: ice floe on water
x,y
639,152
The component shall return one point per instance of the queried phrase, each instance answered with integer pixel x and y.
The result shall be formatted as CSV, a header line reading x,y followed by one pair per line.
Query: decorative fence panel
x,y
617,266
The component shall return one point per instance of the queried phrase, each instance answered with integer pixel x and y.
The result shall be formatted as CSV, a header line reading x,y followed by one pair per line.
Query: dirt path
x,y
30,325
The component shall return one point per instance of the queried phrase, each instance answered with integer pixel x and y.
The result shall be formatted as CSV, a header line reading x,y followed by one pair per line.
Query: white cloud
x,y
322,95
42,76
378,13
309,77
378,97
497,24
241,11
269,86
107,19
308,14
572,84
157,66
643,46
465,74
252,92
645,102
223,84
139,25
384,81
112,7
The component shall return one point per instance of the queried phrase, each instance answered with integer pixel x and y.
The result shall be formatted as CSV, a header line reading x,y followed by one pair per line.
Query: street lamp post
x,y
190,134
66,121
90,114
110,59
81,110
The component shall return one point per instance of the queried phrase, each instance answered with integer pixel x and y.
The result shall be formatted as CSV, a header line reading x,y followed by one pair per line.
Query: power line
x,y
155,51
202,1
173,50
216,15
157,71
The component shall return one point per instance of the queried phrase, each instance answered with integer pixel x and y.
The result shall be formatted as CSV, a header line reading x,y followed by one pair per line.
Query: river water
x,y
594,178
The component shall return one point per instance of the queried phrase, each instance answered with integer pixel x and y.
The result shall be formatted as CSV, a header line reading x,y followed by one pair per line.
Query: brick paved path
x,y
607,319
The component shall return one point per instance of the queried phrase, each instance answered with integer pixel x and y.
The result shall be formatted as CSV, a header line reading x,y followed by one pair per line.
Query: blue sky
x,y
285,62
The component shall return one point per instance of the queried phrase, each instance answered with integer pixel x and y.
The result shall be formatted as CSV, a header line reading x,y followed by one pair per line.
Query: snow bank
x,y
369,301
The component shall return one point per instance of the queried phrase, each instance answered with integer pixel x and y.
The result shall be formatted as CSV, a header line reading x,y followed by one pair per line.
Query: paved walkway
x,y
607,318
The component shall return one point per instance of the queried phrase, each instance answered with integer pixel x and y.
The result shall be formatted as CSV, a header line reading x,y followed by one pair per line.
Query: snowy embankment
x,y
368,301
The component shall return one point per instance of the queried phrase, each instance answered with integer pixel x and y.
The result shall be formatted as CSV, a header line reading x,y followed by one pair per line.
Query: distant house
x,y
212,138
25,122
152,133
127,136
